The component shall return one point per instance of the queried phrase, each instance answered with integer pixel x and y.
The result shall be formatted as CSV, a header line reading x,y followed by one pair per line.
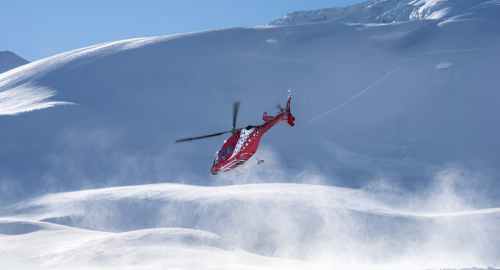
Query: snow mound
x,y
280,220
59,247
392,11
15,227
164,236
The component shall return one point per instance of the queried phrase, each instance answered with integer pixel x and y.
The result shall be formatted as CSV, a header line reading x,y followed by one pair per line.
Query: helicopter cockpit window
x,y
223,154
230,149
216,160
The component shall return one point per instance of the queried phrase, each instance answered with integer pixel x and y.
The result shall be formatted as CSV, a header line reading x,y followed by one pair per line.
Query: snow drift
x,y
324,227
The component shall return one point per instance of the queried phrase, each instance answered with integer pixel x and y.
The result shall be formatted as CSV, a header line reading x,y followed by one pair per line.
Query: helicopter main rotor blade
x,y
236,107
202,137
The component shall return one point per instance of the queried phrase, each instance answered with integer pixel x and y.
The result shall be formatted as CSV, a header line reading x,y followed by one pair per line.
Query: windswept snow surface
x,y
25,98
391,11
268,226
397,127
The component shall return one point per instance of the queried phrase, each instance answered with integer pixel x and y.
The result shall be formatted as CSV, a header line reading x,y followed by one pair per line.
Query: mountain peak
x,y
391,11
10,60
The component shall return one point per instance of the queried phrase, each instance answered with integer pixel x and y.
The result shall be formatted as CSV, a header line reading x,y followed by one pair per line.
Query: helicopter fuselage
x,y
243,144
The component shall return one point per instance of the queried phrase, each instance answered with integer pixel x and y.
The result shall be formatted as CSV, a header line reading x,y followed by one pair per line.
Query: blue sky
x,y
37,29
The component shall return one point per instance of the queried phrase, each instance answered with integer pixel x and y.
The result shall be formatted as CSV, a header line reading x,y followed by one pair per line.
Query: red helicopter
x,y
243,144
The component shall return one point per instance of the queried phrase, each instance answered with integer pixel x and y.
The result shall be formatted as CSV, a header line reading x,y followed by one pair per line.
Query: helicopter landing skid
x,y
259,161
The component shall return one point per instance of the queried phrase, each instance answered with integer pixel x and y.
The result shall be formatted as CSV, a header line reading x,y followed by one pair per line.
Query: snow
x,y
25,98
176,248
392,11
10,60
249,226
373,101
393,162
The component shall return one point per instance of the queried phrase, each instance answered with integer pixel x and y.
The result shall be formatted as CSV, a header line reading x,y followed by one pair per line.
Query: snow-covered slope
x,y
396,101
390,11
324,227
10,60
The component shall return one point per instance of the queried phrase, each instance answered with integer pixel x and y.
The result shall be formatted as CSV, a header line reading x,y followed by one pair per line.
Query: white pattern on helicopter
x,y
244,135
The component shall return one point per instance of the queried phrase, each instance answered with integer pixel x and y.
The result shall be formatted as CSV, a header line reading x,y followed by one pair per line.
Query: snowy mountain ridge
x,y
391,11
10,60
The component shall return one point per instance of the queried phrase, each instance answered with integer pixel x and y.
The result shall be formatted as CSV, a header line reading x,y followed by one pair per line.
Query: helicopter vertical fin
x,y
289,116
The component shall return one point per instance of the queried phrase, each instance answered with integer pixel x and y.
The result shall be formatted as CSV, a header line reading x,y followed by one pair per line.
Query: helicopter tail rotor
x,y
280,108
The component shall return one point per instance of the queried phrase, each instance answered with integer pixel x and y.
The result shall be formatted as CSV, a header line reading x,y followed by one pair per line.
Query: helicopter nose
x,y
214,172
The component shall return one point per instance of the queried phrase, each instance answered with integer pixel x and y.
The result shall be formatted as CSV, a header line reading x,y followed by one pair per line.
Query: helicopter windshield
x,y
216,160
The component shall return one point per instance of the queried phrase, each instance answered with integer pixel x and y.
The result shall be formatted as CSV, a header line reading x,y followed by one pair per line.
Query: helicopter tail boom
x,y
285,115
